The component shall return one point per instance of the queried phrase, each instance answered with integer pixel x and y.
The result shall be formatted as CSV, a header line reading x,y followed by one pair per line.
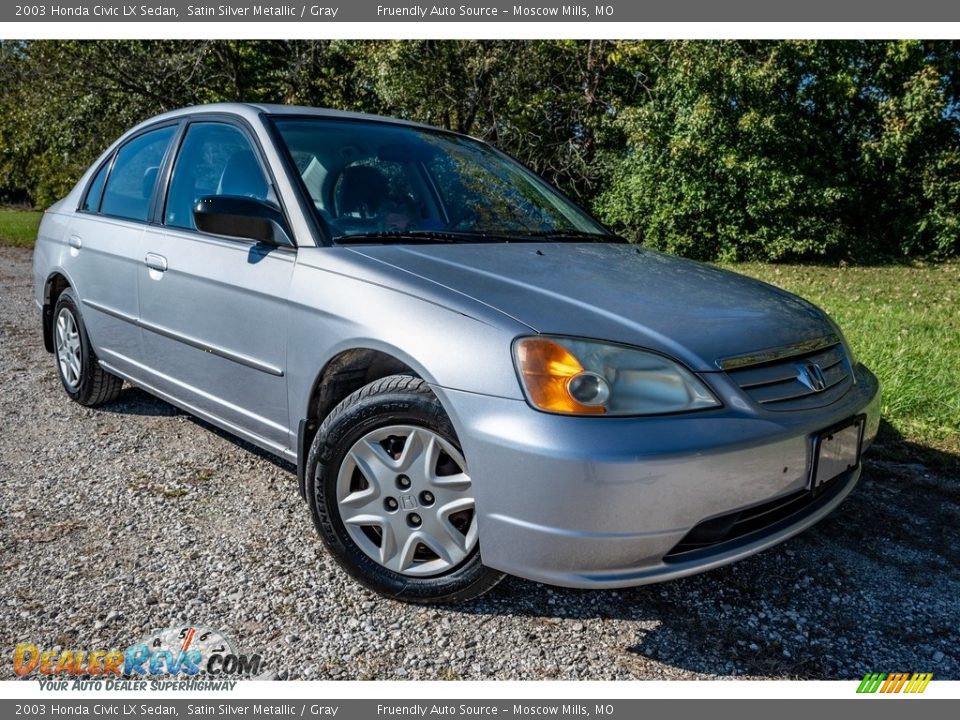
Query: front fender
x,y
332,312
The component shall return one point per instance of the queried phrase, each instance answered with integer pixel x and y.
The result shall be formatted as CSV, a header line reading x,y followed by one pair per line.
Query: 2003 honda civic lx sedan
x,y
473,376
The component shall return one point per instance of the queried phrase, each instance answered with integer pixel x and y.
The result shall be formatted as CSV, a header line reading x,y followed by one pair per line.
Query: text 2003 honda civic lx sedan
x,y
473,376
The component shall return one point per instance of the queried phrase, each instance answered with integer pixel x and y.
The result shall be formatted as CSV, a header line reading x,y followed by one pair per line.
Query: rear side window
x,y
92,201
134,175
214,159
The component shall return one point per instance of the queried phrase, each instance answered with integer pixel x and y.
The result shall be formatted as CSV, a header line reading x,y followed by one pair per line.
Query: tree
x,y
548,103
779,150
711,149
63,102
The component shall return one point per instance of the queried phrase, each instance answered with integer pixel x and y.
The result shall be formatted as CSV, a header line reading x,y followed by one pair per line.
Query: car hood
x,y
617,292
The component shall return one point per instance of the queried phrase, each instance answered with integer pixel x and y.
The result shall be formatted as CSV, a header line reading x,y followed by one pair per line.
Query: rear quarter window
x,y
95,192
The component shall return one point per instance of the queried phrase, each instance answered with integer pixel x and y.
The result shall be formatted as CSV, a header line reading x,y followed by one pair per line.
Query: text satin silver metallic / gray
x,y
473,376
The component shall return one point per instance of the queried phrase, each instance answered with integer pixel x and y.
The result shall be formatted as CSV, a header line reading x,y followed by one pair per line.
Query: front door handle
x,y
156,262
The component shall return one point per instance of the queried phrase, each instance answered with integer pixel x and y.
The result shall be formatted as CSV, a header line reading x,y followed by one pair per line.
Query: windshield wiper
x,y
411,236
569,235
451,236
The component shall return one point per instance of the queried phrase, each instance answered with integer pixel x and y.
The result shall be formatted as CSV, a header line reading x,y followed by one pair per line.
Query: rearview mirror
x,y
407,152
241,217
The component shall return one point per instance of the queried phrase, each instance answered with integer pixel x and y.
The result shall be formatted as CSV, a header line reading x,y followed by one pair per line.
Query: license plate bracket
x,y
836,450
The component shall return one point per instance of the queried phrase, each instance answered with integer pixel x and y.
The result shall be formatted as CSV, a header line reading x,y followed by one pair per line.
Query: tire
x,y
80,372
390,496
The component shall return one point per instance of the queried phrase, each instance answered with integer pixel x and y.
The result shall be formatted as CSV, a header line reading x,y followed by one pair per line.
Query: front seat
x,y
363,190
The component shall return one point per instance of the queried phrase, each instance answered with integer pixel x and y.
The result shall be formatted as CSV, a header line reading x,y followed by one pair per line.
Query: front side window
x,y
214,159
134,175
368,178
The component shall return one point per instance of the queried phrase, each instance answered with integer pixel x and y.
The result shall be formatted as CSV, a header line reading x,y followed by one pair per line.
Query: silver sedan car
x,y
472,375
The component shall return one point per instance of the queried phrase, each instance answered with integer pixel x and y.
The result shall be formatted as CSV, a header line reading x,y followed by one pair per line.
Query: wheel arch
x,y
55,284
344,373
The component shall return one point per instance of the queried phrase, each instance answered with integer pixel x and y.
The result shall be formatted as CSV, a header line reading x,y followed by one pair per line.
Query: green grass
x,y
19,227
903,322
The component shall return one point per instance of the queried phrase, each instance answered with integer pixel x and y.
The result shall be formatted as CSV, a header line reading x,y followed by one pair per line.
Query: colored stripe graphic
x,y
891,683
871,682
918,683
894,682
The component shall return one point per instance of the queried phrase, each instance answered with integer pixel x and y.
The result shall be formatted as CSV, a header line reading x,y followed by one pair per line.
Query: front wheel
x,y
392,498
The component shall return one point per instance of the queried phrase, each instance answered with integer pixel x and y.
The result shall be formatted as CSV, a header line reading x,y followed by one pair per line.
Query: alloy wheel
x,y
68,348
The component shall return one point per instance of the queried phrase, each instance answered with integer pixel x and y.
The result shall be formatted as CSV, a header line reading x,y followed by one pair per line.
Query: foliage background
x,y
718,150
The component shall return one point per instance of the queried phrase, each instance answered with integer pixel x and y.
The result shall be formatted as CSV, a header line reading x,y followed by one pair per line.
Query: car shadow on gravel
x,y
249,447
134,401
875,587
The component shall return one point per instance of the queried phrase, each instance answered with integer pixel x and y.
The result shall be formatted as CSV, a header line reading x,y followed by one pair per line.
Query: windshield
x,y
376,180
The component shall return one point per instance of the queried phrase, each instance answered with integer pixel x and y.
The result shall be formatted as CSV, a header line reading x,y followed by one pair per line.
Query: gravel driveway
x,y
136,516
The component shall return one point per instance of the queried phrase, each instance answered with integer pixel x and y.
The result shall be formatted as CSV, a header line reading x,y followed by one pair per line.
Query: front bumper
x,y
599,502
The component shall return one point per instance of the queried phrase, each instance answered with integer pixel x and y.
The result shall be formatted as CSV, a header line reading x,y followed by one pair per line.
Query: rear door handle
x,y
156,262
75,242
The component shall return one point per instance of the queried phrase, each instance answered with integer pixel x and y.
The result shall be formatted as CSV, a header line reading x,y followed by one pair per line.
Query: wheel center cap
x,y
408,502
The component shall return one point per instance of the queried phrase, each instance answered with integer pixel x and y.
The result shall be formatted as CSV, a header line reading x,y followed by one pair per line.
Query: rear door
x,y
214,309
106,245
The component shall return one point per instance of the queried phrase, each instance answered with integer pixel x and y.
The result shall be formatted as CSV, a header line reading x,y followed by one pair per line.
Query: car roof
x,y
251,111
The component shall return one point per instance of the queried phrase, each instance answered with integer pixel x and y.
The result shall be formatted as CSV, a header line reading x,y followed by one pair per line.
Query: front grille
x,y
707,535
774,382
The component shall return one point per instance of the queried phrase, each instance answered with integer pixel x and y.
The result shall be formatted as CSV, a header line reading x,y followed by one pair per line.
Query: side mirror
x,y
241,217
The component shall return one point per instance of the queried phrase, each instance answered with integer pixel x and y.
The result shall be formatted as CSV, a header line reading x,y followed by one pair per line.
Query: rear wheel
x,y
80,373
392,498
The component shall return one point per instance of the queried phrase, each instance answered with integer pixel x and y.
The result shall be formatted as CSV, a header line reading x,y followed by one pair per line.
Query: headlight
x,y
585,377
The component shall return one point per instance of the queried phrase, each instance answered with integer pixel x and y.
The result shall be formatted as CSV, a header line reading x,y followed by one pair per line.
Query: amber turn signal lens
x,y
547,368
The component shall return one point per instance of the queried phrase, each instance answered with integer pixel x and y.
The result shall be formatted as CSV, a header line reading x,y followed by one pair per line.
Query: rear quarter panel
x,y
50,249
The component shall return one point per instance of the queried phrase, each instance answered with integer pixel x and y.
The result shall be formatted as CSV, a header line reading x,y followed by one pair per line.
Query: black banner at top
x,y
494,11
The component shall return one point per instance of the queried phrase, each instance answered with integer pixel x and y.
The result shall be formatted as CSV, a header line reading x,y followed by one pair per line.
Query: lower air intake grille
x,y
727,528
